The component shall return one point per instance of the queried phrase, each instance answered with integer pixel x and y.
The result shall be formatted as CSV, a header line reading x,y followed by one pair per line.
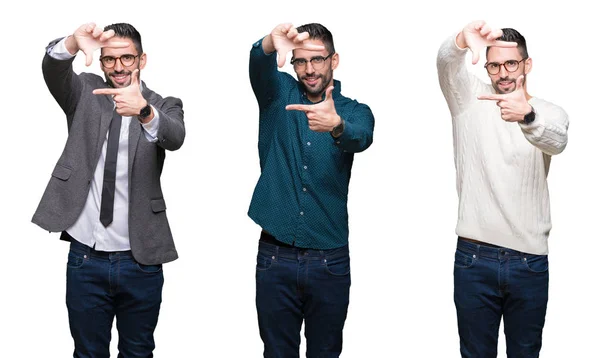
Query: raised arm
x,y
272,49
64,85
458,85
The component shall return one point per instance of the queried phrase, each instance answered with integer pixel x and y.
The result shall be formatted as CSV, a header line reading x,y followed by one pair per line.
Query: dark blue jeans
x,y
103,285
492,282
295,284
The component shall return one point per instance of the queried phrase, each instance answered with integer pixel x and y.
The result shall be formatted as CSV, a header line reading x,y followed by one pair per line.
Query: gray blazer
x,y
88,119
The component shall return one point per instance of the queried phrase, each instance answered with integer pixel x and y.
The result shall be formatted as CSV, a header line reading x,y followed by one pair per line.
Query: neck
x,y
314,98
527,95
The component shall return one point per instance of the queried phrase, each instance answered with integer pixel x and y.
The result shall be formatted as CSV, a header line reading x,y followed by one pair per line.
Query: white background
x,y
402,195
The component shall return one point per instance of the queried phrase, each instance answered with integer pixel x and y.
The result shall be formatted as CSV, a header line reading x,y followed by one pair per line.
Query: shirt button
x,y
305,167
307,143
302,213
303,189
338,142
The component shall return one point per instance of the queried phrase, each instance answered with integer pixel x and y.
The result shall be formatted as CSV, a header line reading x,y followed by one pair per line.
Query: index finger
x,y
491,97
107,35
298,107
114,43
111,91
503,44
312,47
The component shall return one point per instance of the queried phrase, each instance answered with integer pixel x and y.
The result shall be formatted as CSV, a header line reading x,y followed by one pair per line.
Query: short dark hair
x,y
127,31
513,35
319,32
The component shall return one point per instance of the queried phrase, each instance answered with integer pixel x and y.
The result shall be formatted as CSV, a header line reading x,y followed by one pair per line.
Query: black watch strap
x,y
529,117
145,112
337,131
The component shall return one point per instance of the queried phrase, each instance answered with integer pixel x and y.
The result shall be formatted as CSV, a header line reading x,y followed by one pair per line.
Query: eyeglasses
x,y
316,62
126,60
493,68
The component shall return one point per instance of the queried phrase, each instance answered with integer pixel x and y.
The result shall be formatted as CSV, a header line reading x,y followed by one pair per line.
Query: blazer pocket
x,y
61,172
158,205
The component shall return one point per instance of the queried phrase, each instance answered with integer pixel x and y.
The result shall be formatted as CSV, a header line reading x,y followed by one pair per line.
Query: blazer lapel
x,y
135,132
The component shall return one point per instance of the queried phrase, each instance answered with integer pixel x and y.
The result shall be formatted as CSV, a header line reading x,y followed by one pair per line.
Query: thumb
x,y
520,81
89,56
328,93
475,56
135,77
281,56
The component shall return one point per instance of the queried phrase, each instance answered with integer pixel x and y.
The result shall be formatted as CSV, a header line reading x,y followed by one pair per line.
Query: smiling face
x,y
315,69
119,74
501,58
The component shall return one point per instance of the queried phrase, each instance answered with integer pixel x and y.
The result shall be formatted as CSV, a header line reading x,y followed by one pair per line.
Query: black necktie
x,y
110,171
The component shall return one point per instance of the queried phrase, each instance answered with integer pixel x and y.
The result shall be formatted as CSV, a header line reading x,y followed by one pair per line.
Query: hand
x,y
285,38
129,100
322,116
514,105
89,37
478,35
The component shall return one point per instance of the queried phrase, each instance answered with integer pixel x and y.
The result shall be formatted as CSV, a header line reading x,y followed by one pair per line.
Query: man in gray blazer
x,y
105,195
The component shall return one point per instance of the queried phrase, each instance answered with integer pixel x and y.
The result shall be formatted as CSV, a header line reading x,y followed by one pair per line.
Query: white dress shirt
x,y
88,229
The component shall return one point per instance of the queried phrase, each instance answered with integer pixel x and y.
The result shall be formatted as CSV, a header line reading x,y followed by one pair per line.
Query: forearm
x,y
171,130
460,41
57,67
457,84
264,75
151,125
71,45
358,131
267,45
548,132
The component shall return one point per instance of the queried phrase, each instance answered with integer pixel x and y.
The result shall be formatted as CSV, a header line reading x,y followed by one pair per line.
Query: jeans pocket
x,y
76,260
536,263
264,261
149,268
463,259
337,266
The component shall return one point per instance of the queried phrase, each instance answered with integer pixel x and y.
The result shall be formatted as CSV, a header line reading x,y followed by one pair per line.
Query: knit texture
x,y
501,167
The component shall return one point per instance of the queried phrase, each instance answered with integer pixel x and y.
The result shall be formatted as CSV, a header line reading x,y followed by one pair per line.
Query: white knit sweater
x,y
501,167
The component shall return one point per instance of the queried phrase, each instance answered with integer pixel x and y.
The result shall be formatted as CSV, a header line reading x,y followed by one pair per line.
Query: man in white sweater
x,y
503,142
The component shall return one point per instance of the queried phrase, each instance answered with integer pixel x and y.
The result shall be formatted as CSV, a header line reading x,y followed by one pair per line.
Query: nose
x,y
118,65
309,68
503,72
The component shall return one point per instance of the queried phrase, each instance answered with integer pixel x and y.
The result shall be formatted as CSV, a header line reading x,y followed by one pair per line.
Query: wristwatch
x,y
145,112
338,130
529,117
